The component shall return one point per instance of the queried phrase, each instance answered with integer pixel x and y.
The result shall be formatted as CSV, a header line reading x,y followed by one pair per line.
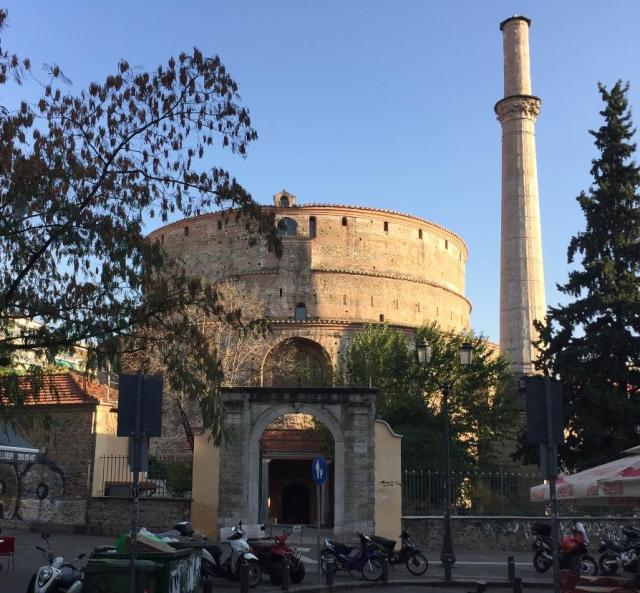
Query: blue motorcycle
x,y
367,560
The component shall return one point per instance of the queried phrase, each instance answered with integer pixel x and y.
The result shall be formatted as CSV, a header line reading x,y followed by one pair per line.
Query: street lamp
x,y
465,352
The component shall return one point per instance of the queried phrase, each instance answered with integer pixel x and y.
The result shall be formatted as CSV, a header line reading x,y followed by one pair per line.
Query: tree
x,y
81,175
593,342
409,396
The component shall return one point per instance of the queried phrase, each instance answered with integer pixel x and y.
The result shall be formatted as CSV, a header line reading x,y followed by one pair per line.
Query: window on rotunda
x,y
284,202
312,227
287,227
301,312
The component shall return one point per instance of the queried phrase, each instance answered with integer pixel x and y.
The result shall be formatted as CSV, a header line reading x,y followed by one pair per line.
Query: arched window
x,y
287,227
344,221
312,227
284,202
301,312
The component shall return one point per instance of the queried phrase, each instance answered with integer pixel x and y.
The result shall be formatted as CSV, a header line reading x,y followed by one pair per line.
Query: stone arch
x,y
331,422
296,362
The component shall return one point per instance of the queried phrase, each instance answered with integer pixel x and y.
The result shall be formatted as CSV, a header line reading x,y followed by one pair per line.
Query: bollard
x,y
511,568
481,587
385,570
244,576
446,562
285,576
329,564
517,585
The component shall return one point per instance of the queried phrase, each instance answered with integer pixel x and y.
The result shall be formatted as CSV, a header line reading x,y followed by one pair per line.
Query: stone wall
x,y
402,267
110,516
55,489
509,534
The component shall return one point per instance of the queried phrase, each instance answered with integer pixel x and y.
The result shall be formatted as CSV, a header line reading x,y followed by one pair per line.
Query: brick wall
x,y
65,432
414,271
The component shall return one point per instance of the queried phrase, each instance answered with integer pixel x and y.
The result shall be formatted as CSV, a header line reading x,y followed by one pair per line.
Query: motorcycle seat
x,y
340,547
388,544
261,545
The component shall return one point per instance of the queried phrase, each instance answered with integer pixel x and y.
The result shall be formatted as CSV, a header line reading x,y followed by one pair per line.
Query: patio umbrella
x,y
13,448
616,483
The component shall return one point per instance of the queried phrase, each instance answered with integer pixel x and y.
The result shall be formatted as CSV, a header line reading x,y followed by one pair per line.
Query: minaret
x,y
522,297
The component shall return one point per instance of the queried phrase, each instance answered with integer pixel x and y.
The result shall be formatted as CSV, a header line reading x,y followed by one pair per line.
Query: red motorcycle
x,y
273,553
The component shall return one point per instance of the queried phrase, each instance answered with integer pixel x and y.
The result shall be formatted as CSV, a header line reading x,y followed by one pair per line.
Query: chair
x,y
7,548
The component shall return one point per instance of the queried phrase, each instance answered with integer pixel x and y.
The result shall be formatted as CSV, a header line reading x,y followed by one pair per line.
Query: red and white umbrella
x,y
616,483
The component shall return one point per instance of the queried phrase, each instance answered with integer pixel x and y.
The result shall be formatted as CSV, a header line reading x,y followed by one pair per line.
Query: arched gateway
x,y
347,412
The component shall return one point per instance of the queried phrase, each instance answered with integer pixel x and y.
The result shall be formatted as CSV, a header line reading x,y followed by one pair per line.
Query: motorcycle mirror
x,y
45,535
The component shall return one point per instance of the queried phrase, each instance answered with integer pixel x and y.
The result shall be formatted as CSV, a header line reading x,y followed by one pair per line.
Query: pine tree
x,y
593,343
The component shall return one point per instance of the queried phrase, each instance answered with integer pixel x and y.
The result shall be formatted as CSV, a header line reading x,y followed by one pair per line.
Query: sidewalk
x,y
471,566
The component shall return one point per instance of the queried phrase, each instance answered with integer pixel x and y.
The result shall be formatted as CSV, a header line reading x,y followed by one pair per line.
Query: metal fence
x,y
168,477
472,493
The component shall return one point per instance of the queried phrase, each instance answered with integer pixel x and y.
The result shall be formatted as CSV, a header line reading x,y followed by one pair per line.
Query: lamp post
x,y
465,351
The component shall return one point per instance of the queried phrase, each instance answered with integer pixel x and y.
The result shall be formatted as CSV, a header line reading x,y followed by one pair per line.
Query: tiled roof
x,y
59,389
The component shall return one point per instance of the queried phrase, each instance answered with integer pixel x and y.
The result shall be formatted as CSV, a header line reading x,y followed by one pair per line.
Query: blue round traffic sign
x,y
319,470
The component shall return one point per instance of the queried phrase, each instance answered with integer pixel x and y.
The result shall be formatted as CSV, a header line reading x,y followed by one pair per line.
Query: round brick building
x,y
343,267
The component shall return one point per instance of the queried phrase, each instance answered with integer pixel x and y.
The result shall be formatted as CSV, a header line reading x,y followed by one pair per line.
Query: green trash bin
x,y
111,575
178,572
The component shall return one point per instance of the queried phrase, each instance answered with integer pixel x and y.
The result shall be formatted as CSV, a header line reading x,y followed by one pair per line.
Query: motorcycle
x,y
573,548
415,561
273,553
615,554
57,576
368,560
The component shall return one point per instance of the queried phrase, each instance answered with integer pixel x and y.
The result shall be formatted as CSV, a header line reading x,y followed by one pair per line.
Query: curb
x,y
454,584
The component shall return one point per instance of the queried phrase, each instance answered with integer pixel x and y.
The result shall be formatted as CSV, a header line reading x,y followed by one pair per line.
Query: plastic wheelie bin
x,y
111,575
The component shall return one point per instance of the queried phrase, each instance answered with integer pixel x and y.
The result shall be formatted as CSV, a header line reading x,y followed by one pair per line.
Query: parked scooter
x,y
273,553
415,561
368,560
573,549
241,552
620,554
57,576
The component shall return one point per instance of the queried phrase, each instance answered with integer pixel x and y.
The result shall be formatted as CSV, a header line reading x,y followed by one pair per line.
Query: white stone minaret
x,y
522,296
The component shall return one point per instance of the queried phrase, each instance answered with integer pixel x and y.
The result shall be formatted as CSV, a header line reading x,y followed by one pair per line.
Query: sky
x,y
382,103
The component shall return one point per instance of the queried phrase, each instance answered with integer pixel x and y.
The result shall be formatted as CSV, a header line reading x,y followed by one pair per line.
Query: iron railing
x,y
168,477
495,493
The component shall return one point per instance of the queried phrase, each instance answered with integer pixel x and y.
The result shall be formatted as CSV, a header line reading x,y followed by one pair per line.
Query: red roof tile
x,y
58,389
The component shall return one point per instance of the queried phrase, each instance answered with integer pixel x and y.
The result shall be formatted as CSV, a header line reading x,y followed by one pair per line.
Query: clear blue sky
x,y
379,103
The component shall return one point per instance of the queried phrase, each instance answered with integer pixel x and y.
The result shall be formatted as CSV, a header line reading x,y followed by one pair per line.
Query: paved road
x,y
471,565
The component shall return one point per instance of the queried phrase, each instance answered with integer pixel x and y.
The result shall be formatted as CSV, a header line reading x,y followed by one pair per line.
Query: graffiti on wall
x,y
32,490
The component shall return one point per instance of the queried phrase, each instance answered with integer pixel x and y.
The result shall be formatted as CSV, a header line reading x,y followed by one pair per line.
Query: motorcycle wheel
x,y
297,573
255,573
540,563
588,566
323,561
275,572
371,569
608,563
417,563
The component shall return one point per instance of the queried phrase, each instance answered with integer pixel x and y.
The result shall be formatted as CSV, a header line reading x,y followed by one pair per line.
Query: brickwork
x,y
361,265
65,433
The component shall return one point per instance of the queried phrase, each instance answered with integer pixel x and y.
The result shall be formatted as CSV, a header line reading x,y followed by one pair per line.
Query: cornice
x,y
314,206
517,106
